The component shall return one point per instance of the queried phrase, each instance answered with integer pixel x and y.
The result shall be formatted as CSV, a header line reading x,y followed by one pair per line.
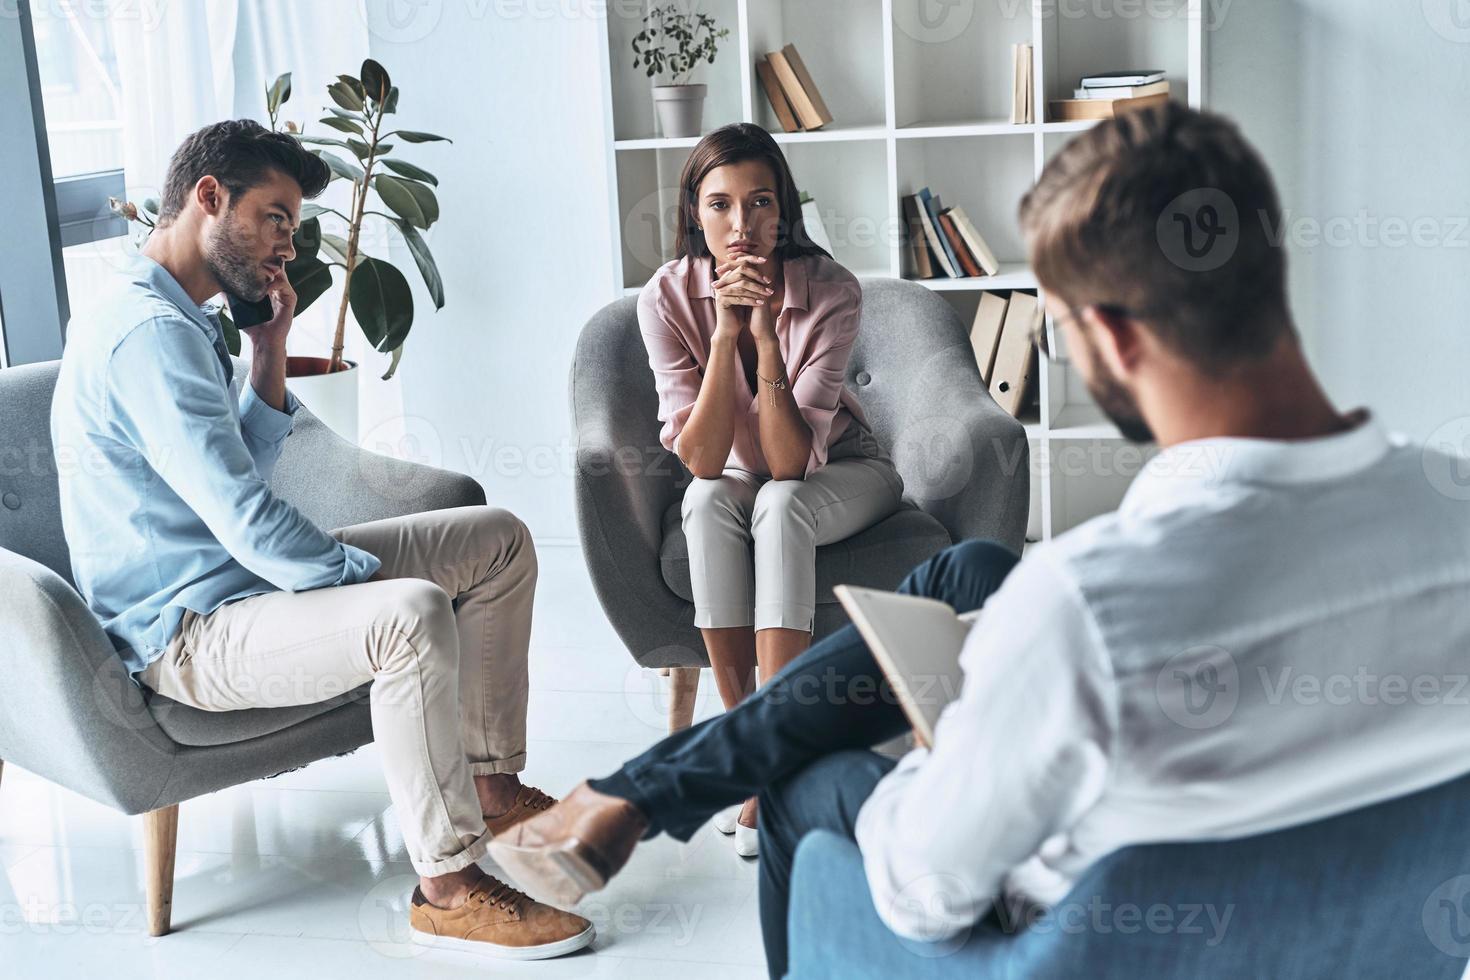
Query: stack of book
x,y
1104,96
1004,350
1023,88
790,90
943,241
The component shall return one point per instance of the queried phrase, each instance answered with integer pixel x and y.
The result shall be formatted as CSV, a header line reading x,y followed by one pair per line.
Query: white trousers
x,y
753,540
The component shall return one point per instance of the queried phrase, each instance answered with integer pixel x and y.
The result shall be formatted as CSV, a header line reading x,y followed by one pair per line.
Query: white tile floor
x,y
305,874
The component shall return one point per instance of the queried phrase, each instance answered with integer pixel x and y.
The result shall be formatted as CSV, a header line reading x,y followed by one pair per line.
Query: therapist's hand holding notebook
x,y
917,642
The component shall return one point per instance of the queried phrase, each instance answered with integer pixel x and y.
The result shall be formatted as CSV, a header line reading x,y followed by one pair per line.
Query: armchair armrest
x,y
336,484
963,458
833,929
625,480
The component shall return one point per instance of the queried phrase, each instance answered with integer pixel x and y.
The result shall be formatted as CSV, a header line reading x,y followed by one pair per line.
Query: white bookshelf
x,y
916,102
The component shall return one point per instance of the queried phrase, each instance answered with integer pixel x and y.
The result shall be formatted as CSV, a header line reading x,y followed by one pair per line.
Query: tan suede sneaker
x,y
529,802
496,920
573,848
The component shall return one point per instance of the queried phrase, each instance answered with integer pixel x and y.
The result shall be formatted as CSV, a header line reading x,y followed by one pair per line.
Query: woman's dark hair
x,y
737,143
238,153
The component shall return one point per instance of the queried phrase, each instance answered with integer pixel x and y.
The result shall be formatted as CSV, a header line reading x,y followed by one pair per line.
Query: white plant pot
x,y
680,108
331,397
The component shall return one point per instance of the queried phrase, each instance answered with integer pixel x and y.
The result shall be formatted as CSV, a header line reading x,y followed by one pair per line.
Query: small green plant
x,y
374,289
674,42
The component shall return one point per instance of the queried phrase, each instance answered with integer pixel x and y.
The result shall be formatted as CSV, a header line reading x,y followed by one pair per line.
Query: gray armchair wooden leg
x,y
683,688
160,840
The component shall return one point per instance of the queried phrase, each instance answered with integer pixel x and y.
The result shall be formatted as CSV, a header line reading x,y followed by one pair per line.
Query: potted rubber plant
x,y
671,44
375,292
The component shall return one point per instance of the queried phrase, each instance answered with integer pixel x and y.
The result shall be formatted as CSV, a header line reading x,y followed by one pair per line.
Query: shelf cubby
x,y
952,62
847,65
1078,40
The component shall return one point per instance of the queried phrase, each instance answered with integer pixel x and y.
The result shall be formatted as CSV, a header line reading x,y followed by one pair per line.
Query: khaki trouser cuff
x,y
516,763
460,861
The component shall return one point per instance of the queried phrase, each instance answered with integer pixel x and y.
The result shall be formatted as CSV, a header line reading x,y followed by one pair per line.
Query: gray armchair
x,y
964,462
68,711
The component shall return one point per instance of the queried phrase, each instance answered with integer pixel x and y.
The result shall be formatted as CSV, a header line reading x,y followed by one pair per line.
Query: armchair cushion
x,y
188,725
877,558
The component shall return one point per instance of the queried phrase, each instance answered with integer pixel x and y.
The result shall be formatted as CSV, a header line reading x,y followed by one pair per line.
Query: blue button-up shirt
x,y
164,459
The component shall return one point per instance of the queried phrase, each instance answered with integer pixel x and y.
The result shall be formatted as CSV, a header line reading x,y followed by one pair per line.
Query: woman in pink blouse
x,y
749,332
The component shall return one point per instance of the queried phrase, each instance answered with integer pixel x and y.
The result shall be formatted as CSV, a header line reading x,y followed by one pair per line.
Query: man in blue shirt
x,y
220,595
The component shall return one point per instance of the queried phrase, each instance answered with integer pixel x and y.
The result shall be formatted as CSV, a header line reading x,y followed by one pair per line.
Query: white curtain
x,y
200,61
174,75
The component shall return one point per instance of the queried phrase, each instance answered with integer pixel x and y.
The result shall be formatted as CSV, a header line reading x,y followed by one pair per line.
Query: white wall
x,y
1360,107
524,244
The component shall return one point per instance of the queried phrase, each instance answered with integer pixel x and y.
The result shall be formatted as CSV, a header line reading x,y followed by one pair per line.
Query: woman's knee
x,y
705,499
780,499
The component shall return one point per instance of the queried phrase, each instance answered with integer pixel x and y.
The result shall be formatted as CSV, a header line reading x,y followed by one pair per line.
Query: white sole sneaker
x,y
746,841
543,952
725,820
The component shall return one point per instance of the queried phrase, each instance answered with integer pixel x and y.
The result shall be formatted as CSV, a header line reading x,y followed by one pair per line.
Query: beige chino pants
x,y
444,639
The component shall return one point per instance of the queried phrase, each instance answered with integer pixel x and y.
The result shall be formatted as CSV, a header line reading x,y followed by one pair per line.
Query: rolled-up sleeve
x,y
167,396
817,386
265,429
676,375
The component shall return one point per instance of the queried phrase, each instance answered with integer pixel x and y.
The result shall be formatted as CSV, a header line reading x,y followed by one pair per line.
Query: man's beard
x,y
1116,403
228,258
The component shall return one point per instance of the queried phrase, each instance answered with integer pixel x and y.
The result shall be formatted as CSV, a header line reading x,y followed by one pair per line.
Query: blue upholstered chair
x,y
1379,892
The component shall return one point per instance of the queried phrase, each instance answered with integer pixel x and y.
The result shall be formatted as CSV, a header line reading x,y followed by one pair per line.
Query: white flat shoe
x,y
725,820
745,841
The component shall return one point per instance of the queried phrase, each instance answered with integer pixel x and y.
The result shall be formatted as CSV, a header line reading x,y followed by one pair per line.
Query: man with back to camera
x,y
221,596
1123,683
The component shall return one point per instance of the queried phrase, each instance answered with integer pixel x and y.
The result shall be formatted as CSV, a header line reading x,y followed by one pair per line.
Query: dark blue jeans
x,y
832,701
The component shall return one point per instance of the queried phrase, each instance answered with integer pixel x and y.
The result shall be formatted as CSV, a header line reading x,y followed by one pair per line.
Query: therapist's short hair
x,y
239,153
1169,215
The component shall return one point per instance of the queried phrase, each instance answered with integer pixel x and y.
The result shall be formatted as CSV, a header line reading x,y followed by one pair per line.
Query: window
x,y
61,152
77,66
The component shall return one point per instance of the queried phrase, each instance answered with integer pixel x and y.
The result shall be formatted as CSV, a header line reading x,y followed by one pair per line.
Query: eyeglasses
x,y
1038,333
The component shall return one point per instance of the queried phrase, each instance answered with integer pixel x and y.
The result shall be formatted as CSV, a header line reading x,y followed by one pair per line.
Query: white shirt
x,y
1265,633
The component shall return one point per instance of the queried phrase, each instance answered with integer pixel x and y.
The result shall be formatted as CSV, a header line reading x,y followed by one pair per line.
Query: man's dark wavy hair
x,y
238,153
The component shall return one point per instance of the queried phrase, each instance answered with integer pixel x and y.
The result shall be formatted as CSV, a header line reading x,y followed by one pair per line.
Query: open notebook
x,y
917,642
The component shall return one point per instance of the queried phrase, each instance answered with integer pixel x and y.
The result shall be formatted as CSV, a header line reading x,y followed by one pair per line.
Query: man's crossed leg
x,y
832,699
443,634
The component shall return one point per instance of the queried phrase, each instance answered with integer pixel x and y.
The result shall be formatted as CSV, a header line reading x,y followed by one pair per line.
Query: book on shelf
x,y
1123,79
1014,369
940,243
780,105
1127,92
984,257
985,332
1023,97
1071,110
918,246
967,262
931,236
801,91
